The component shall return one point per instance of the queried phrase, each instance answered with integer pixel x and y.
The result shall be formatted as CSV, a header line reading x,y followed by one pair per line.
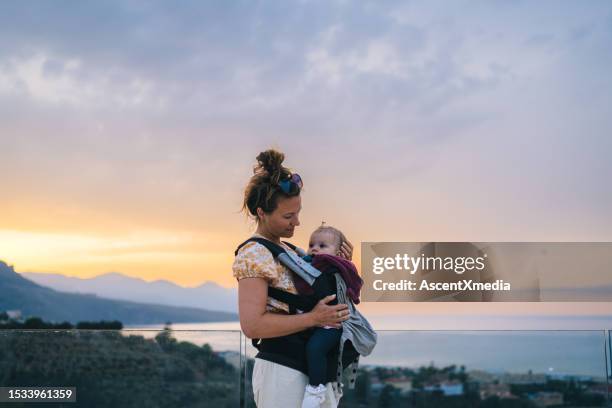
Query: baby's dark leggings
x,y
320,343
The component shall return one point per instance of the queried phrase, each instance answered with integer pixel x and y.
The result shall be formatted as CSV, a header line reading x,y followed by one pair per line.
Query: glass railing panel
x,y
195,368
482,368
128,368
608,357
249,360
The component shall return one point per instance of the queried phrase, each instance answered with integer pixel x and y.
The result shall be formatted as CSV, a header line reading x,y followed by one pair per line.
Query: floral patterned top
x,y
256,261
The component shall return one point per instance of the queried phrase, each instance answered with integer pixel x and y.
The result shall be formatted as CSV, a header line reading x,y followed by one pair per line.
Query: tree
x,y
34,323
386,397
165,339
362,387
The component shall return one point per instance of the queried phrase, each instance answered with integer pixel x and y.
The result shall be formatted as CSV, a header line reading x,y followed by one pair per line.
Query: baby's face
x,y
323,242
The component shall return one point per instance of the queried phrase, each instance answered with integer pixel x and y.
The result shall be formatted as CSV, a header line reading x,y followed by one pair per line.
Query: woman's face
x,y
282,221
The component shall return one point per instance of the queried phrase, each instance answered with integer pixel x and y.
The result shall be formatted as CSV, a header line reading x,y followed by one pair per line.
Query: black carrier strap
x,y
294,301
302,303
290,245
271,246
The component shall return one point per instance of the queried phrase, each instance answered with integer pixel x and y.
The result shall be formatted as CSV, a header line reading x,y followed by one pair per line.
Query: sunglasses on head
x,y
285,185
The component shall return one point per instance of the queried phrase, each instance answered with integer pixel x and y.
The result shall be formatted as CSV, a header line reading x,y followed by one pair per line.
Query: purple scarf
x,y
331,264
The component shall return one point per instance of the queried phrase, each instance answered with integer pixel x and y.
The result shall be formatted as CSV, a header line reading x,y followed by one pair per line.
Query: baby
x,y
324,250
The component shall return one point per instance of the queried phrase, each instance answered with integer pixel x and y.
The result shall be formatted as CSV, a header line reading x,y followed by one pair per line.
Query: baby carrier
x,y
356,331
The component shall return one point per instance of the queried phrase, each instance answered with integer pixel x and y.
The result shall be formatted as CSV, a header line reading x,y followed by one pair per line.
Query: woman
x,y
272,197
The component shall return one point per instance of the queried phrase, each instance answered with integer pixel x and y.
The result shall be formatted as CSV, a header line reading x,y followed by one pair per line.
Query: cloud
x,y
46,80
147,110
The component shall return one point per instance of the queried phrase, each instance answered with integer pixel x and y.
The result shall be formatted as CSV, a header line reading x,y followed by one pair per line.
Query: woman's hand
x,y
346,250
329,315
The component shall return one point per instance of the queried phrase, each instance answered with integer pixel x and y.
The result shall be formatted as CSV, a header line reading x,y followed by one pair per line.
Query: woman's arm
x,y
257,322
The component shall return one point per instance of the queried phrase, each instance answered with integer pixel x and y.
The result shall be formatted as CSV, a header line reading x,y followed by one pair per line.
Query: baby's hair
x,y
335,231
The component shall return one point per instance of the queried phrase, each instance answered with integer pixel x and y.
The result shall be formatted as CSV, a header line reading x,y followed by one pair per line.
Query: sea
x,y
559,346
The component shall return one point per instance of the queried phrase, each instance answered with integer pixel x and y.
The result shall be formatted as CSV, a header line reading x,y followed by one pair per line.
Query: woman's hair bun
x,y
264,189
271,161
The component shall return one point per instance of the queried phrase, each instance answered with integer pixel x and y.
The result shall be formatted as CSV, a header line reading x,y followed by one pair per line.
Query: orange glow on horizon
x,y
179,258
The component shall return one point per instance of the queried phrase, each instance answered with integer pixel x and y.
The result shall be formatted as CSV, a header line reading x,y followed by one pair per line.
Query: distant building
x,y
495,390
602,389
546,398
14,314
403,384
376,388
367,367
448,388
523,378
570,377
484,377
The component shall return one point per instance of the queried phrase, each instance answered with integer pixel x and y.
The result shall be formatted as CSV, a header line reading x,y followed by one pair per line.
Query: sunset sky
x,y
128,130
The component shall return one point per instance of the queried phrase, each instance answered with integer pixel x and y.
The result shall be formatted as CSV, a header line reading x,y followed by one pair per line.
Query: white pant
x,y
275,385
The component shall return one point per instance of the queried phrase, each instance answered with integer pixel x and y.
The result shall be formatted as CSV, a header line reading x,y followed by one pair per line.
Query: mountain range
x,y
32,299
117,286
